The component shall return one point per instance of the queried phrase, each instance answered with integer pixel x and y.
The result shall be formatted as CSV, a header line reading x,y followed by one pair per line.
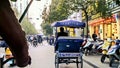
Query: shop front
x,y
104,28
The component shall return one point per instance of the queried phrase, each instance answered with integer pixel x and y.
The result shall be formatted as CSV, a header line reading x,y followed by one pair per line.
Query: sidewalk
x,y
95,60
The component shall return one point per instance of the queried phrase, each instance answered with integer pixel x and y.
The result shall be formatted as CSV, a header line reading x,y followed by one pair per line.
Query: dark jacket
x,y
62,34
94,36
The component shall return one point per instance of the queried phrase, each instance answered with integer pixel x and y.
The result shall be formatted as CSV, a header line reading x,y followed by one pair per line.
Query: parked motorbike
x,y
114,53
119,65
91,47
105,48
87,47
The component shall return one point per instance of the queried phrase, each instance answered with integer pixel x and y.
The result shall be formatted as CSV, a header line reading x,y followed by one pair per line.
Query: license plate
x,y
69,54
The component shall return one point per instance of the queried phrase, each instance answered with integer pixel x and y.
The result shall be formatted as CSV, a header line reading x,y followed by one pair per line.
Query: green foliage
x,y
59,10
28,27
103,8
25,24
117,2
47,29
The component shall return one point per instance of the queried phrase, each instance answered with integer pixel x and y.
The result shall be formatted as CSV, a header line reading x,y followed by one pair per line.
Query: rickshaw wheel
x,y
56,62
80,62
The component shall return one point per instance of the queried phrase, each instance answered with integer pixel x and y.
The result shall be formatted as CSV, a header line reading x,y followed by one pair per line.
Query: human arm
x,y
13,34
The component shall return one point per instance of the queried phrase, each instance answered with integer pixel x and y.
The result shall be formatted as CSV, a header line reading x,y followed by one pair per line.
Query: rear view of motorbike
x,y
35,43
91,47
114,53
105,48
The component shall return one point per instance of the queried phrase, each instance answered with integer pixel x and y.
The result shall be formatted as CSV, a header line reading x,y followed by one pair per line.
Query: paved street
x,y
43,57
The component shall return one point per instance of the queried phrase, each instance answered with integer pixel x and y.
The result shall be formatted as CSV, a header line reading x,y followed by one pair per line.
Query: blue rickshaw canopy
x,y
69,23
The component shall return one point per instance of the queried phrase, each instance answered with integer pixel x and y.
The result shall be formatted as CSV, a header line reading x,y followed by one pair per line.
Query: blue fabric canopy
x,y
69,23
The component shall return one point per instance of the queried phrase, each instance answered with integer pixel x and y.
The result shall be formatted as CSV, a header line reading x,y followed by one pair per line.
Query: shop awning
x,y
101,20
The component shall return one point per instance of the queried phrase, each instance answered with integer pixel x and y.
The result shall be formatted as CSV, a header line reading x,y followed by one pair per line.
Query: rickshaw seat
x,y
68,44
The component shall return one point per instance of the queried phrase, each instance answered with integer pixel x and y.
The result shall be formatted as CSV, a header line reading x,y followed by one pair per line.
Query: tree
x,y
47,29
61,9
117,2
58,11
103,8
92,9
28,27
26,24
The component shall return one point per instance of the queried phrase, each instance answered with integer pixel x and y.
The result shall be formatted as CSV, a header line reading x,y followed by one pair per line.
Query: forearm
x,y
13,34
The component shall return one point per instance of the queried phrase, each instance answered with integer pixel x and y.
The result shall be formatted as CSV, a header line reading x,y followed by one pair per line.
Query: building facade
x,y
107,28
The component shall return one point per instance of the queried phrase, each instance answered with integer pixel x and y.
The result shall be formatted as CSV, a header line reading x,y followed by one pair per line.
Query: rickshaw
x,y
69,49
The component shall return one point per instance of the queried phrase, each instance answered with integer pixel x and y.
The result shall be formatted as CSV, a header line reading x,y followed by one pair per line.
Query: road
x,y
43,56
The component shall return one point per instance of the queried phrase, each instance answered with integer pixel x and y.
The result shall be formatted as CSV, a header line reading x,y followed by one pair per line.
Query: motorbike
x,y
105,48
91,47
87,47
35,42
114,53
